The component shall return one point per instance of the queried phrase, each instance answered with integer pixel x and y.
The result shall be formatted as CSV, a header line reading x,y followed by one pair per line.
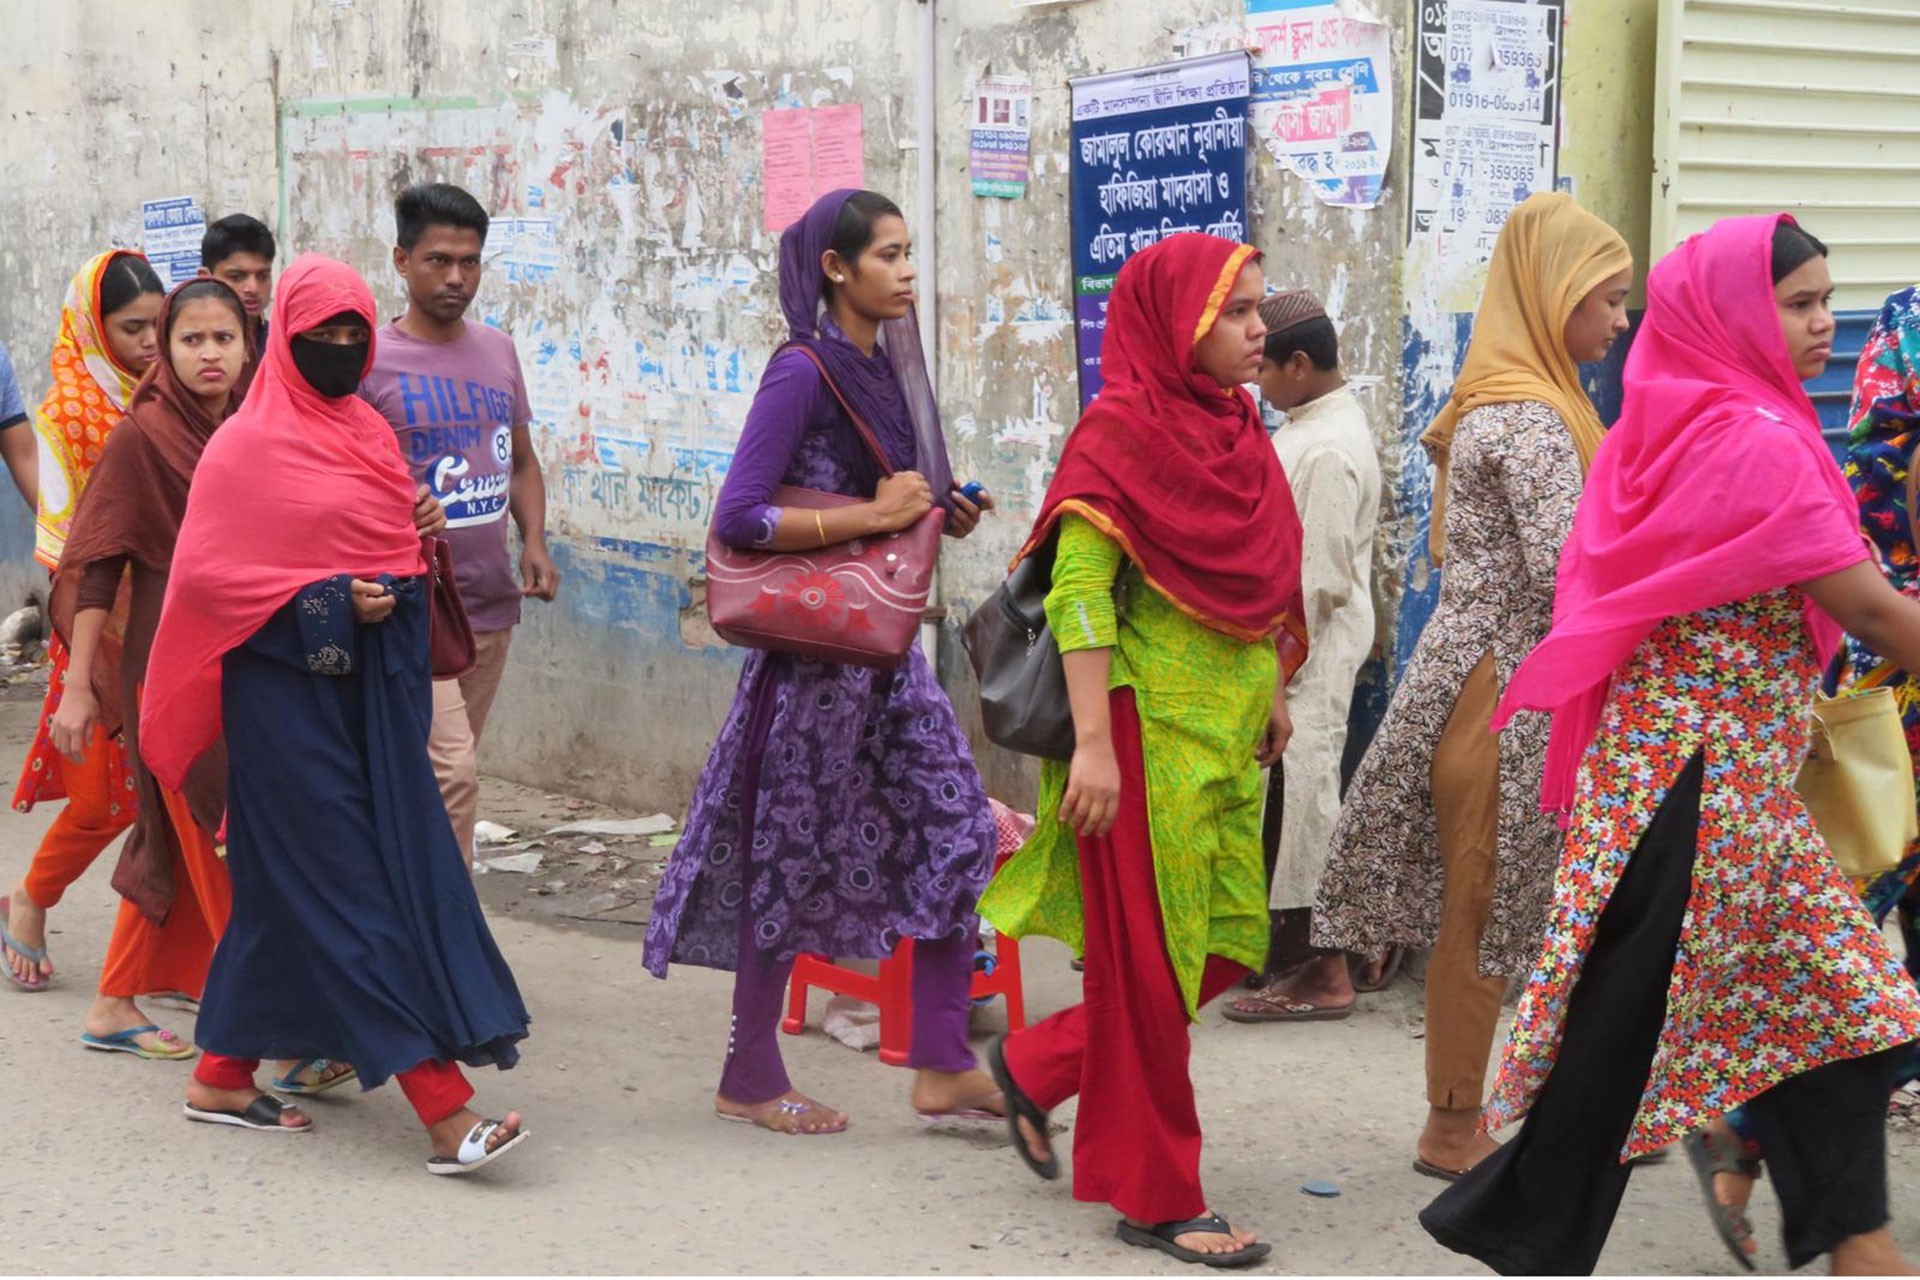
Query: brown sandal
x,y
1268,1005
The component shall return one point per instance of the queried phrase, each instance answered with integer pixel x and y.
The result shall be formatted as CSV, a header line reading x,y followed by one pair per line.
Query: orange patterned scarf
x,y
89,394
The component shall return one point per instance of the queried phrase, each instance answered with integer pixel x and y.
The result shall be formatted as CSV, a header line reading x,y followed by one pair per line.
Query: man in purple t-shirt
x,y
455,396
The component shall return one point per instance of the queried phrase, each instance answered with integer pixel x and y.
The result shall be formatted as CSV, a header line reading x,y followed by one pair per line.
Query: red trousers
x,y
436,1089
1124,1048
99,807
143,956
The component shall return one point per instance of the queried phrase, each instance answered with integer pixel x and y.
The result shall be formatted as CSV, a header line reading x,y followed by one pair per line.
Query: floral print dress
x,y
1515,483
1779,969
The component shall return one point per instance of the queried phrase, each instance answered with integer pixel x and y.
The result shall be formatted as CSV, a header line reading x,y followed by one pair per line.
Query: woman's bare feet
x,y
1452,1139
206,1098
28,925
792,1112
1872,1254
947,1093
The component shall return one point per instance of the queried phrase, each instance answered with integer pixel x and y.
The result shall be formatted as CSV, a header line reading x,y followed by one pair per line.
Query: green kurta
x,y
1203,699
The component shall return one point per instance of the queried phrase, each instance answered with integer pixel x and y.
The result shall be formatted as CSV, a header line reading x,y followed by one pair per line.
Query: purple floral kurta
x,y
841,805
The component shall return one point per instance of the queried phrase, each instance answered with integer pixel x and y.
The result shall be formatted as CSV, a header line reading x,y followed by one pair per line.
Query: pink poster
x,y
807,152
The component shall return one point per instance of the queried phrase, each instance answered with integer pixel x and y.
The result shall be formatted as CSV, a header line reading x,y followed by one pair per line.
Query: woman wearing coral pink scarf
x,y
1703,950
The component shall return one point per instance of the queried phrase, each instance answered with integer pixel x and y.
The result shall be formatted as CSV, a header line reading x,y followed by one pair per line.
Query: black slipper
x,y
1021,1107
262,1115
1163,1236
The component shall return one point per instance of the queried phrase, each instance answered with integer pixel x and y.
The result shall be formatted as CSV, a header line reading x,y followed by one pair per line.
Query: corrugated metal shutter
x,y
1812,106
1808,105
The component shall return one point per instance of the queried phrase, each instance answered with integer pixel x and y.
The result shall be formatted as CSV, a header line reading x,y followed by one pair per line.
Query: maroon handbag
x,y
857,602
451,649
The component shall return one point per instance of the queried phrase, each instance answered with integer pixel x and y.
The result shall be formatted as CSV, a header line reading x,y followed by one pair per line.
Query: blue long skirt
x,y
356,934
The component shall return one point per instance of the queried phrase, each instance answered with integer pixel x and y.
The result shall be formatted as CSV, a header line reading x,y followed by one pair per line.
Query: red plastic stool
x,y
892,990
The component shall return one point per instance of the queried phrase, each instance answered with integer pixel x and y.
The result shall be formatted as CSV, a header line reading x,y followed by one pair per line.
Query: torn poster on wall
x,y
1486,120
805,153
1323,95
170,235
1155,152
999,145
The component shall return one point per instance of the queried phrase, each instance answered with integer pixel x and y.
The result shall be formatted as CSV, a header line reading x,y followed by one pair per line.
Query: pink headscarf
x,y
1713,487
294,489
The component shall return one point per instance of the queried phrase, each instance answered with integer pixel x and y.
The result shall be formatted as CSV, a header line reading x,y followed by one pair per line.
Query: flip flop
x,y
128,1041
1388,972
11,946
1709,1154
179,1000
787,1108
1021,1107
1284,1009
473,1154
1162,1237
1438,1171
288,1084
262,1115
966,1115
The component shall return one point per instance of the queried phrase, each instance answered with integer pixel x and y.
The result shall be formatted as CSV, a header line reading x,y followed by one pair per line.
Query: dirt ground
x,y
628,1171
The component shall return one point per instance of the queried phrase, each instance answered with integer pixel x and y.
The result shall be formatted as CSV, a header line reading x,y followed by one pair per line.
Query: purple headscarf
x,y
894,395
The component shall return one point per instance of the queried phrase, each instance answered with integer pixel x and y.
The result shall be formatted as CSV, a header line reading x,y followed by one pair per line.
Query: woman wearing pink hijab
x,y
1703,950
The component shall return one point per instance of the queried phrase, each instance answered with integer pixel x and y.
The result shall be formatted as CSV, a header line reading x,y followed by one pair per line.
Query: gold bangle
x,y
819,527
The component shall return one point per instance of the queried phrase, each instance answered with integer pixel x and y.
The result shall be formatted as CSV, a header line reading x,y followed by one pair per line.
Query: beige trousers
x,y
460,710
1463,1008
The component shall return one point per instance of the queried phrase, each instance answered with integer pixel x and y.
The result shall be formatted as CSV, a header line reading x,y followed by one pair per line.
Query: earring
x,y
839,279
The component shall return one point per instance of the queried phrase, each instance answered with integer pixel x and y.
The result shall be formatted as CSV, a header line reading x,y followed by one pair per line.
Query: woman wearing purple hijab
x,y
840,810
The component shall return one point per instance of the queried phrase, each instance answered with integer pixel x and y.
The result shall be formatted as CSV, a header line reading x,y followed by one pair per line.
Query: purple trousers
x,y
755,1072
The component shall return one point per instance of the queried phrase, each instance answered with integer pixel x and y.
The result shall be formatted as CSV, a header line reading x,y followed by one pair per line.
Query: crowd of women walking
x,y
1585,779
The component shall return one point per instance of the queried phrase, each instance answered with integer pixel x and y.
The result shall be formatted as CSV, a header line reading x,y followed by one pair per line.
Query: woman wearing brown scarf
x,y
106,605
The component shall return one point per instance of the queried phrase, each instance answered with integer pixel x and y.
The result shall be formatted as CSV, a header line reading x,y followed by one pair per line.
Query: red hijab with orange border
x,y
1177,469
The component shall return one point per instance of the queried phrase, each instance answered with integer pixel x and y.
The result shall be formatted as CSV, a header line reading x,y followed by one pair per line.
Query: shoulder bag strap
x,y
859,423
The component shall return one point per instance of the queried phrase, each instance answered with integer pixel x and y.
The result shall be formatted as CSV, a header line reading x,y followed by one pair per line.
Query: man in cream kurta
x,y
1328,455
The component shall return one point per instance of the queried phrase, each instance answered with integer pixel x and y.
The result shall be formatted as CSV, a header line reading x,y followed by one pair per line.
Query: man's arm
x,y
527,500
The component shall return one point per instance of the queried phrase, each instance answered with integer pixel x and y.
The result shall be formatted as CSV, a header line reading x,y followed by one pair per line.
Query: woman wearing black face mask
x,y
331,355
296,621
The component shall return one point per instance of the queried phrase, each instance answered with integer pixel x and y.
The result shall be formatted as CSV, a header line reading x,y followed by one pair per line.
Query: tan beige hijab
x,y
1550,256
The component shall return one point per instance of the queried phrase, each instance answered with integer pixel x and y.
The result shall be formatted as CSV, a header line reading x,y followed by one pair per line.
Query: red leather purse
x,y
857,602
451,649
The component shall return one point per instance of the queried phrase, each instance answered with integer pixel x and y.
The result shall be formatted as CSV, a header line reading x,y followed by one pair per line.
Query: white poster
x,y
1486,121
1323,95
171,231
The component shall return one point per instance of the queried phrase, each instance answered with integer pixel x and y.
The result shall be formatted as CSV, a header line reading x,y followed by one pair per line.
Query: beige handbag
x,y
1857,781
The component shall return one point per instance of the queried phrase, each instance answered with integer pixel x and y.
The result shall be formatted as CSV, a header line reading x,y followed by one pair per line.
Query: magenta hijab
x,y
1713,487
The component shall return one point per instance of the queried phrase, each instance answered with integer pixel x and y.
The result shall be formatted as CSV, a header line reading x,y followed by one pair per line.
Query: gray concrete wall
x,y
619,146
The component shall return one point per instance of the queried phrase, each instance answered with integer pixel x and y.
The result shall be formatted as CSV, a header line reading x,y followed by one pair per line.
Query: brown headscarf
x,y
131,510
1550,256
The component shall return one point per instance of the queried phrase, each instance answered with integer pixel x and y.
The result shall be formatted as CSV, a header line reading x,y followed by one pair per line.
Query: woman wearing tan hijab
x,y
1441,842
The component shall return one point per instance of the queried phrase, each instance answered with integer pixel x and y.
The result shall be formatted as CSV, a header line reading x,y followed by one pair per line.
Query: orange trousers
x,y
142,956
93,819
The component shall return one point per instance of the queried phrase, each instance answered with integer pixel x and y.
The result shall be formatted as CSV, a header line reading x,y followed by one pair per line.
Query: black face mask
x,y
330,368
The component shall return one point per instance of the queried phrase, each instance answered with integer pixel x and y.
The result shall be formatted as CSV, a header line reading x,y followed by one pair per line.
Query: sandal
x,y
1710,1153
261,1115
11,946
1162,1237
173,1047
322,1082
785,1107
473,1153
1021,1107
1389,969
1269,1005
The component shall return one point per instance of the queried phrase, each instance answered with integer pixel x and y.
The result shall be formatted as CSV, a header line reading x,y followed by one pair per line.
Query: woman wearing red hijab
x,y
296,622
1169,496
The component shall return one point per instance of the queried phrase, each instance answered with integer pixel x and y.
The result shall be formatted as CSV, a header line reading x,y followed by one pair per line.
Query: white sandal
x,y
473,1153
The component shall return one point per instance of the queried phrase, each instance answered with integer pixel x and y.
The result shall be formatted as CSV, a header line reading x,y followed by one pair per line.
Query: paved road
x,y
629,1172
